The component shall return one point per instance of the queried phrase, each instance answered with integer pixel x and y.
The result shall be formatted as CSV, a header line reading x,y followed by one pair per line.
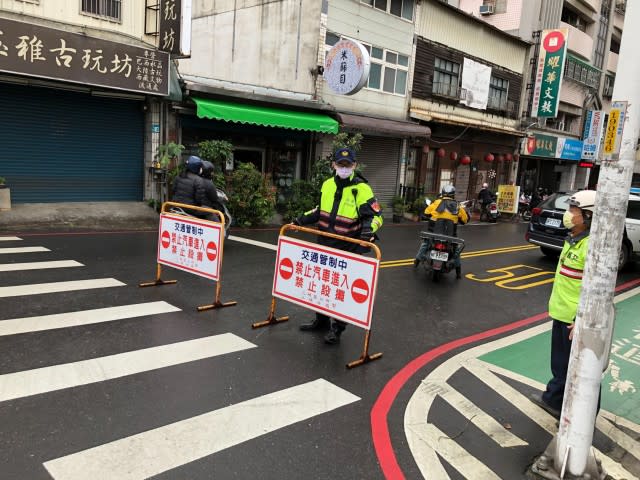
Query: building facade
x,y
78,83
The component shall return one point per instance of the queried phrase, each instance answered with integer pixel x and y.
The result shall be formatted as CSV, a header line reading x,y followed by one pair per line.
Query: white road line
x,y
255,243
159,450
14,267
9,239
475,415
85,317
68,375
40,288
23,250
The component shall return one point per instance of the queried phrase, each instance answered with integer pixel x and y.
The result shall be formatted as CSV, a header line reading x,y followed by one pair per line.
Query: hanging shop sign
x,y
346,67
568,149
474,90
592,135
175,27
550,146
37,51
553,53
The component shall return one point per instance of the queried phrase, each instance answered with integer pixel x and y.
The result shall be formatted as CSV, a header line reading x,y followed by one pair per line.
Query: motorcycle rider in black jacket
x,y
188,187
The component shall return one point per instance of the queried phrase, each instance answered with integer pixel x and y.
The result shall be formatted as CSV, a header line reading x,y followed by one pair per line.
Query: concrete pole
x,y
595,316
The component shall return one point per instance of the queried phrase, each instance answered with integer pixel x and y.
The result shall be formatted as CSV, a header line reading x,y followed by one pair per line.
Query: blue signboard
x,y
569,149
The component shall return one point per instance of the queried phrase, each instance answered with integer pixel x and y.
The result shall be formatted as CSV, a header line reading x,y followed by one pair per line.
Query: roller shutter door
x,y
381,155
62,146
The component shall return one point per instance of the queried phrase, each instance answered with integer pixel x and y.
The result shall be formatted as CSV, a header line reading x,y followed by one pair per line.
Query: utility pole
x,y
570,454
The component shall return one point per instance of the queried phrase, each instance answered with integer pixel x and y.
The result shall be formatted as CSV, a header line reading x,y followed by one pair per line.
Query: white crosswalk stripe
x,y
57,287
57,377
159,450
9,239
9,250
17,267
14,326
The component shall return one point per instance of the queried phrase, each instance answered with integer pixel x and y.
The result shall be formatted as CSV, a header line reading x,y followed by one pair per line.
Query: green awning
x,y
266,116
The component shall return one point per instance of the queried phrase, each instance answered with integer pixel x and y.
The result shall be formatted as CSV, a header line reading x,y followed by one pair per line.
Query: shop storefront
x,y
551,162
72,127
278,142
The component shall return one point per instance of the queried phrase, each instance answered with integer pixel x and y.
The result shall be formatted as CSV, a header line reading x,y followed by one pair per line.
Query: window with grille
x,y
609,81
111,9
389,70
399,8
498,91
446,75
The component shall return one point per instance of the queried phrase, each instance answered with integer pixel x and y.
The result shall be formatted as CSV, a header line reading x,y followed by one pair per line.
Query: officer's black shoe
x,y
333,337
537,399
458,273
316,324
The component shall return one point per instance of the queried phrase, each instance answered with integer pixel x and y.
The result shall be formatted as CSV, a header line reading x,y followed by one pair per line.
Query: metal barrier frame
x,y
272,319
158,281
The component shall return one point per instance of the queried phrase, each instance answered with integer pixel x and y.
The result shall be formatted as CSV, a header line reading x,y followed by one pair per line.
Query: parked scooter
x,y
524,207
489,212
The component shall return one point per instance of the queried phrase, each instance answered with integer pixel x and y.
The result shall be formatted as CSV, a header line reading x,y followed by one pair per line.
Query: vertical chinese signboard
x,y
330,281
37,51
175,27
553,53
613,133
508,198
592,135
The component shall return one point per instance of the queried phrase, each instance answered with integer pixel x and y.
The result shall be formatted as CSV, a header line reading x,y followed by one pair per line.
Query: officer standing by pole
x,y
571,449
349,208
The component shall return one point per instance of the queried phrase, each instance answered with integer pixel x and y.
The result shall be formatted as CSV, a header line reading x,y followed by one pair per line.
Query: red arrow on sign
x,y
212,251
360,290
166,239
286,268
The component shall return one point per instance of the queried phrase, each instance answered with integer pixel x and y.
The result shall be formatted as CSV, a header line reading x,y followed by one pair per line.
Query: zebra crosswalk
x,y
159,448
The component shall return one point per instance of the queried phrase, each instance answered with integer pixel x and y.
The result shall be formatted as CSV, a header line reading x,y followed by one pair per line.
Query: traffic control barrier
x,y
326,280
191,244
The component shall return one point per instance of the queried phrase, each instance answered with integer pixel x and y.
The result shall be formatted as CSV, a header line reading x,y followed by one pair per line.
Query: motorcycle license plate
x,y
552,222
436,255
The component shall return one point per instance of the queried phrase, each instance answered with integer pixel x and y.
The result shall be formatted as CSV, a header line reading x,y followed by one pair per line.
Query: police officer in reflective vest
x,y
348,208
563,303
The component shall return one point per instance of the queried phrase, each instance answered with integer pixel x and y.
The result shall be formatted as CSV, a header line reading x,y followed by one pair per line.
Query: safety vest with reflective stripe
x,y
567,283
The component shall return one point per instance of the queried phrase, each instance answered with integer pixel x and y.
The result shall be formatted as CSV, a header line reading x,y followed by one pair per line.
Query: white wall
x,y
268,44
355,20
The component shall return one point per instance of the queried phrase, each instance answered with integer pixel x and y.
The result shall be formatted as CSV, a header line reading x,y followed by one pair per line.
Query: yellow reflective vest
x,y
567,284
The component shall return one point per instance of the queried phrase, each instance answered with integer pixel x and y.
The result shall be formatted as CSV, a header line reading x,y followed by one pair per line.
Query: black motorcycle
x,y
439,249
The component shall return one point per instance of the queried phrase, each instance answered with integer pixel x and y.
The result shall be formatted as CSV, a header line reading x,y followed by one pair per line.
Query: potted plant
x,y
398,206
5,195
166,153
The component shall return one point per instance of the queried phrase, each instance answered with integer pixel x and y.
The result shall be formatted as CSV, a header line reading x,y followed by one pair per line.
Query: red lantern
x,y
441,152
489,158
453,156
425,149
508,157
500,158
465,160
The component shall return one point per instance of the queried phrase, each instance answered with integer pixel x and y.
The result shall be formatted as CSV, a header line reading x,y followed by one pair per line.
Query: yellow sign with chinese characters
x,y
508,196
613,132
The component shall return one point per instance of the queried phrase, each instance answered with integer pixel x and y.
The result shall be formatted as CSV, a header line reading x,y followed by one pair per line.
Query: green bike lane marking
x,y
531,357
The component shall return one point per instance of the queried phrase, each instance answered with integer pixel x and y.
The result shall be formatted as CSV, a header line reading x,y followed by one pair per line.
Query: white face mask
x,y
344,172
567,220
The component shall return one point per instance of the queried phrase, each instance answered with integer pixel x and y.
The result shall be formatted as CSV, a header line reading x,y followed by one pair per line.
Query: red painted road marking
x,y
166,239
212,251
379,425
360,290
286,268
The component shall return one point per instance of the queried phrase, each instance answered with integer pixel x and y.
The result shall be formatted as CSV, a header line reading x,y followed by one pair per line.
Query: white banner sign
x,y
592,135
475,84
190,244
330,281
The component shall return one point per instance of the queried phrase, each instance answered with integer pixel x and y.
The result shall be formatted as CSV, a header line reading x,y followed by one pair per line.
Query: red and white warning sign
x,y
190,244
330,281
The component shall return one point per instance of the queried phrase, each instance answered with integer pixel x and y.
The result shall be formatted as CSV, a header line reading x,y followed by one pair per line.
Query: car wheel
x,y
549,252
624,256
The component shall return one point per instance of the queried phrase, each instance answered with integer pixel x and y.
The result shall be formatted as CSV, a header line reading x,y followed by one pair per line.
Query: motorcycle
x,y
222,200
439,249
524,207
490,212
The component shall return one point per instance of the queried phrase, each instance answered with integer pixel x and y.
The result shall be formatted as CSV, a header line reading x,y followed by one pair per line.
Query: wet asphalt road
x,y
412,315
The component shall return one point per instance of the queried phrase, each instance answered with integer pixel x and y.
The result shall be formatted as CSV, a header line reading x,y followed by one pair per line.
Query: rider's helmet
x,y
485,185
207,169
448,190
584,200
194,164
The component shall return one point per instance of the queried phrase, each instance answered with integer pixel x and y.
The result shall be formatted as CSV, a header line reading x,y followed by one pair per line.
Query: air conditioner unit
x,y
486,9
